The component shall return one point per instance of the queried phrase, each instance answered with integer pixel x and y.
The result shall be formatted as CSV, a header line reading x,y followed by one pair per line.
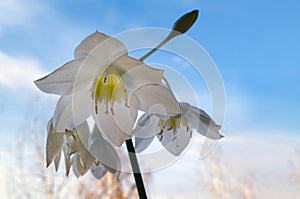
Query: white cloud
x,y
18,72
16,12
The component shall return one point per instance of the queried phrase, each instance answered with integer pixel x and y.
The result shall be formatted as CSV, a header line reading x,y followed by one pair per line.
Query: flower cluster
x,y
104,83
83,159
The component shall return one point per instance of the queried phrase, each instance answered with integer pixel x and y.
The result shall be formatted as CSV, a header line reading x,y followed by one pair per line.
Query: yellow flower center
x,y
108,89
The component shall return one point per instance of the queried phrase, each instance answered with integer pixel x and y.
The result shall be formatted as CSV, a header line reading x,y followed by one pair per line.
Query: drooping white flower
x,y
73,145
103,81
175,132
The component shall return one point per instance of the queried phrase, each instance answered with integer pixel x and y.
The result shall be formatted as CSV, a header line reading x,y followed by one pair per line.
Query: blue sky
x,y
255,45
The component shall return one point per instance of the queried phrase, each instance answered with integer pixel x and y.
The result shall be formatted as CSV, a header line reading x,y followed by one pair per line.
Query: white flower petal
x,y
78,169
60,81
202,122
145,131
67,162
203,116
95,39
70,146
54,144
98,171
136,68
157,99
82,143
57,160
136,74
142,143
106,154
72,110
118,127
172,144
100,51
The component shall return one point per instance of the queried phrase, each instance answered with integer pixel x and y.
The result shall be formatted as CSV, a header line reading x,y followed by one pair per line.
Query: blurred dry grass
x,y
29,177
219,180
295,168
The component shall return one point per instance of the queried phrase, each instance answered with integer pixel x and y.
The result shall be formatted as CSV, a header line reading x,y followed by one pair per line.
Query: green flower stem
x,y
136,170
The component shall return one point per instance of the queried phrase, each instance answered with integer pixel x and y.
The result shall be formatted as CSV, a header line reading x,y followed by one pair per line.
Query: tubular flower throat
x,y
173,123
109,88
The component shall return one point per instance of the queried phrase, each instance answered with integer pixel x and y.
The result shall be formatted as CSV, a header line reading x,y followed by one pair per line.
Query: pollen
x,y
108,89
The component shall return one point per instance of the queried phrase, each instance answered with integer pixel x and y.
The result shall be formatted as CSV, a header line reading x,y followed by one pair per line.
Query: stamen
x,y
69,132
126,98
175,136
161,131
68,145
108,89
96,109
161,137
112,111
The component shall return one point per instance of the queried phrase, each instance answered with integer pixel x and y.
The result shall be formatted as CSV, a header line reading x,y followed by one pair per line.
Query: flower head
x,y
175,132
103,81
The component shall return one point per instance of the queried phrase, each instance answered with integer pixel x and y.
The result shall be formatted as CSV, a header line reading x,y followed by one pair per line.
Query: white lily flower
x,y
175,132
73,143
109,85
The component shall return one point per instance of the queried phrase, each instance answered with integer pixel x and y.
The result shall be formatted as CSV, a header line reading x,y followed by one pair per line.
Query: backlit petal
x,y
60,81
98,171
157,99
145,131
116,127
57,160
78,168
54,143
67,161
175,145
138,74
82,143
95,39
202,122
105,153
72,110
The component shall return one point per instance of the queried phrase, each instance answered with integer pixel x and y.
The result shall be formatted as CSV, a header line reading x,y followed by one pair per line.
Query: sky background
x,y
255,45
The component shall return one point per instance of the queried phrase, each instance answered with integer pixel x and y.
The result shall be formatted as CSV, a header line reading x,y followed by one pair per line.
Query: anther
x,y
96,108
112,111
161,137
68,132
161,132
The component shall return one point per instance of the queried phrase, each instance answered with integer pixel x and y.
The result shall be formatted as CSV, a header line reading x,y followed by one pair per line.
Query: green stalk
x,y
136,170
